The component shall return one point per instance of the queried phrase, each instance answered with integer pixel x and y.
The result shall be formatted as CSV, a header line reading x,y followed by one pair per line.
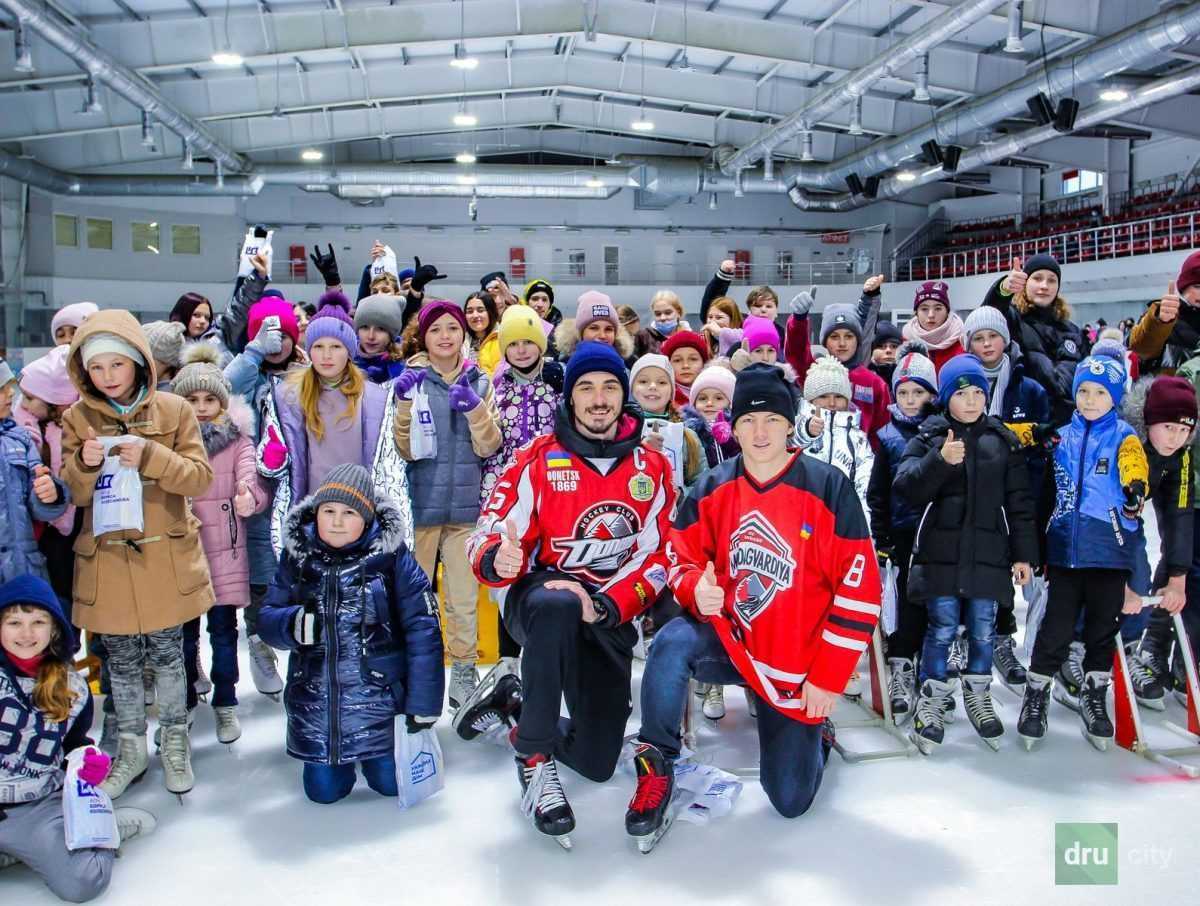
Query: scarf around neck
x,y
943,336
998,377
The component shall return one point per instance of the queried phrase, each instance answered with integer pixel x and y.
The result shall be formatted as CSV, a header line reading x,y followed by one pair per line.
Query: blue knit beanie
x,y
961,371
30,589
592,356
1102,370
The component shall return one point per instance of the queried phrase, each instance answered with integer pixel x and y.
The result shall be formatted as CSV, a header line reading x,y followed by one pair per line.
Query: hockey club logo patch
x,y
602,540
760,564
1102,466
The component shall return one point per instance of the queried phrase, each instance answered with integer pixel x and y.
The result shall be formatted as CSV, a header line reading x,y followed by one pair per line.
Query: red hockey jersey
x,y
606,530
802,592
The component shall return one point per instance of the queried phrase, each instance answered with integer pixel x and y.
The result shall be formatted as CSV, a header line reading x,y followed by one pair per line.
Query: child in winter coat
x,y
235,495
67,320
483,331
975,538
445,487
894,520
652,385
166,345
711,396
47,710
28,491
934,324
595,319
687,352
137,588
377,323
830,430
1163,412
355,610
846,332
666,312
1100,483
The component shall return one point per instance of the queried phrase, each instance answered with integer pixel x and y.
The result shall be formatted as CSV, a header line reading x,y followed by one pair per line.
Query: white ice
x,y
965,826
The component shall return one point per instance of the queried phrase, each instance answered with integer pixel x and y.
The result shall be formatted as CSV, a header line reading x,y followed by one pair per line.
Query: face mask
x,y
666,328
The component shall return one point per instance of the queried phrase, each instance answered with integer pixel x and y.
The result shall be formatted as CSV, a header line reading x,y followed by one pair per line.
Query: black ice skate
x,y
650,813
928,723
956,659
1148,673
1031,725
1069,679
1007,665
542,798
1093,710
977,701
495,702
902,691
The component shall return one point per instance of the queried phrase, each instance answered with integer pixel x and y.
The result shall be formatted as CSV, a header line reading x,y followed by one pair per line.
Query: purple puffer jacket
x,y
295,432
222,530
526,411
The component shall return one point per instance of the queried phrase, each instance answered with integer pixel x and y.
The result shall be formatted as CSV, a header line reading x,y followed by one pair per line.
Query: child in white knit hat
x,y
830,429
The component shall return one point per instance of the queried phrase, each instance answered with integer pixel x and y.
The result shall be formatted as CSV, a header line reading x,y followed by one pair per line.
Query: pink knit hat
x,y
758,331
72,315
595,306
47,378
714,377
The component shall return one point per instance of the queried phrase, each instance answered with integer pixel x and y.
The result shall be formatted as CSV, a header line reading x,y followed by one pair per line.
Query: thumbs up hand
x,y
1015,281
710,597
1168,305
92,452
510,558
463,397
43,485
243,501
953,451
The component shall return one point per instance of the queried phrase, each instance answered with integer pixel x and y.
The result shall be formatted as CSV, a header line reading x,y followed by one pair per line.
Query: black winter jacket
x,y
977,518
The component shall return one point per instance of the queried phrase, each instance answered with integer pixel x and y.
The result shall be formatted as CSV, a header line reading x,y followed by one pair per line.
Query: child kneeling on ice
x,y
354,608
976,536
1100,484
47,710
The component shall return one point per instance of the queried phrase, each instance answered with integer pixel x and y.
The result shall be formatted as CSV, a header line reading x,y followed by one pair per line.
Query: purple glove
x,y
95,767
727,339
463,397
408,380
721,429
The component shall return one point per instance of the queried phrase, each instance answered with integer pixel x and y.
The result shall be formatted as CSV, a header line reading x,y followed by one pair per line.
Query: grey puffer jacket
x,y
19,552
445,489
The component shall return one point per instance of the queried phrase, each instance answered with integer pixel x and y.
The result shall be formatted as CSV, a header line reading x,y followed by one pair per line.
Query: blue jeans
x,y
945,615
791,761
327,783
222,636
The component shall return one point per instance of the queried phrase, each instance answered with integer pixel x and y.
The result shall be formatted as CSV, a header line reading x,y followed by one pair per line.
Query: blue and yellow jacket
x,y
1092,464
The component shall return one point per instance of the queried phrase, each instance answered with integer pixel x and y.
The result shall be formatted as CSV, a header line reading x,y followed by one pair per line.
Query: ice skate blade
x,y
1063,699
993,744
1029,742
564,841
1099,743
924,746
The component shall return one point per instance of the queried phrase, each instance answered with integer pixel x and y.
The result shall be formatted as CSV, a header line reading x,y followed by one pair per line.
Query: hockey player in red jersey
x,y
575,529
771,560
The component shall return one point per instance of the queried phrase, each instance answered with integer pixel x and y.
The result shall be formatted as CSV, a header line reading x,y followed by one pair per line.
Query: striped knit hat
x,y
349,484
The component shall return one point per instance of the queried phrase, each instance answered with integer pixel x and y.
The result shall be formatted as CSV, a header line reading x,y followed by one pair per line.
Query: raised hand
x,y
327,265
243,501
423,275
92,452
872,284
463,397
43,485
269,339
408,381
510,558
953,451
1168,305
802,303
260,263
1015,281
274,451
710,597
728,265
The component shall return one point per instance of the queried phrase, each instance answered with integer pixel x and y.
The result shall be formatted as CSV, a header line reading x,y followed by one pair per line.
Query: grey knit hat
x,y
827,375
166,341
915,367
202,374
380,310
838,317
985,318
349,484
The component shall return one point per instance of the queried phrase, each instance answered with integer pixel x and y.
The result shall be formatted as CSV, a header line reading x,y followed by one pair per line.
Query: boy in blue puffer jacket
x,y
355,609
1100,476
894,520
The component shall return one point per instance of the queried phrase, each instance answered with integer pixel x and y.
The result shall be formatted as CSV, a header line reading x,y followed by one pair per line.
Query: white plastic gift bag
x,y
255,245
423,434
891,574
385,264
88,817
420,771
117,499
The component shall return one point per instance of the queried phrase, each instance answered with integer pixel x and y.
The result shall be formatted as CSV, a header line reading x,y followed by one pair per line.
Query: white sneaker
x,y
134,822
714,702
128,767
263,670
176,758
229,728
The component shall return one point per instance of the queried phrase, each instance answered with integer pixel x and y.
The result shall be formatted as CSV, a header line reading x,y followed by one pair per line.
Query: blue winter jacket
x,y
19,552
1093,462
379,649
889,511
1026,401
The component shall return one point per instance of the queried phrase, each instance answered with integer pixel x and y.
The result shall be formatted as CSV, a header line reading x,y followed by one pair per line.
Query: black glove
x,y
607,614
1046,436
327,265
1135,498
306,628
415,723
424,273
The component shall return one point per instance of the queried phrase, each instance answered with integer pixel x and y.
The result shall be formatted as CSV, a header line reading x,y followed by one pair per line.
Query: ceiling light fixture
x,y
906,176
460,60
856,116
91,99
189,162
642,123
312,155
465,120
1013,44
1114,94
227,58
921,79
464,157
595,183
24,62
806,145
712,201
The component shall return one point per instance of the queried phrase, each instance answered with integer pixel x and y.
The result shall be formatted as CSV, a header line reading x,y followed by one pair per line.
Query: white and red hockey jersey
x,y
608,530
802,590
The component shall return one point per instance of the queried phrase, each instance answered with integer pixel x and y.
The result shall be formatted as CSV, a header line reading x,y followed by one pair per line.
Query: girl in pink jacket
x,y
234,495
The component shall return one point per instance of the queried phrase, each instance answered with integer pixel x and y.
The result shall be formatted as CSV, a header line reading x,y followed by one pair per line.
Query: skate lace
x,y
958,654
174,748
1092,701
552,795
715,694
1006,656
651,788
1148,664
1035,704
263,655
929,711
486,721
979,707
898,683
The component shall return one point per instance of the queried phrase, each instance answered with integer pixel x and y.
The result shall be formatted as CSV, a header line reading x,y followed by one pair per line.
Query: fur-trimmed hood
x,y
383,537
740,359
238,422
1133,408
566,338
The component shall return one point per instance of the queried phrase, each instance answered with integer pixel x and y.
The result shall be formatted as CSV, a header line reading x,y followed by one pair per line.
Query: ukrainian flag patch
x,y
558,459
806,531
